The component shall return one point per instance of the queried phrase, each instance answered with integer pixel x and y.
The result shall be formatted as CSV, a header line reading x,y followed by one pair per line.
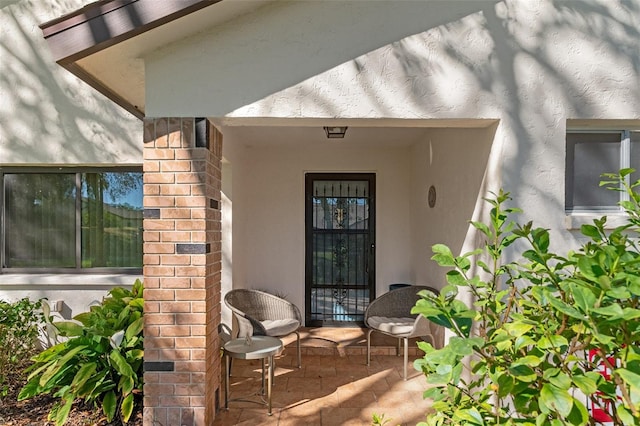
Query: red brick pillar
x,y
182,262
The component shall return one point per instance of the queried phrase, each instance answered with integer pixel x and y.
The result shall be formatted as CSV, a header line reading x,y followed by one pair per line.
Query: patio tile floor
x,y
334,387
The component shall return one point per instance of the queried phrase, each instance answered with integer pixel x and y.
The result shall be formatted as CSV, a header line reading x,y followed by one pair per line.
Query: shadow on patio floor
x,y
334,387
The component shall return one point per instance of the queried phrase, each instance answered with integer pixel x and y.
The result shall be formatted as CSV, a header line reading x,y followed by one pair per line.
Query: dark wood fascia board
x,y
106,23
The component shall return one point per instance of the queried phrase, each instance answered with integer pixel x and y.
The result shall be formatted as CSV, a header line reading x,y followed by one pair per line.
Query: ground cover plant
x,y
99,362
19,337
551,339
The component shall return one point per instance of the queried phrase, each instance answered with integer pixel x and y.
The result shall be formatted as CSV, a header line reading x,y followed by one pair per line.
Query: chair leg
x,y
369,346
299,350
406,356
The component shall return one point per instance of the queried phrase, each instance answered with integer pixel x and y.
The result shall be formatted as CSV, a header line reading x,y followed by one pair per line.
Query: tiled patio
x,y
334,385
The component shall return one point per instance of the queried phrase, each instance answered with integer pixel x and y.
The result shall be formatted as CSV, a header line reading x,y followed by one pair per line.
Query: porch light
x,y
335,132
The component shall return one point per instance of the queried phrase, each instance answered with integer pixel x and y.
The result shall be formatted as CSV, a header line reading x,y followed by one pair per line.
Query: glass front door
x,y
340,247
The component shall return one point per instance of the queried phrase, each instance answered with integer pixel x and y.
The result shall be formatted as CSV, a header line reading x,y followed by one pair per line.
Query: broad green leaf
x,y
63,412
29,390
561,381
127,407
614,311
434,393
56,367
590,231
121,365
625,415
523,373
529,360
579,414
632,379
137,303
443,255
505,385
455,278
469,416
583,297
68,328
83,374
553,341
556,399
565,309
586,384
109,405
517,329
463,347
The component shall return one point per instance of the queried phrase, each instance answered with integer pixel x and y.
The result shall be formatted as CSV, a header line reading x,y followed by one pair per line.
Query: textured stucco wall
x,y
531,64
49,117
268,206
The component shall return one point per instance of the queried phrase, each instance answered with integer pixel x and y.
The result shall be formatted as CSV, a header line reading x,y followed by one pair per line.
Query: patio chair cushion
x,y
392,325
280,327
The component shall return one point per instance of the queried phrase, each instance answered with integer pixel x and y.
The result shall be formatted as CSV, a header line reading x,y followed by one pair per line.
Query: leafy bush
x,y
19,335
529,350
100,362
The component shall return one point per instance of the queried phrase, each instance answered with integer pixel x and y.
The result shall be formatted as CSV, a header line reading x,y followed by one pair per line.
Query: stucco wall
x,y
268,206
454,162
47,116
532,65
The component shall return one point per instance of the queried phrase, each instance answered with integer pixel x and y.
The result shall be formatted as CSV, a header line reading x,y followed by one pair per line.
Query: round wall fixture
x,y
432,196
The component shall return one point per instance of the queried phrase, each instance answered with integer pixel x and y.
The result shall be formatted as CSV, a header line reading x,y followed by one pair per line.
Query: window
x,y
82,220
589,155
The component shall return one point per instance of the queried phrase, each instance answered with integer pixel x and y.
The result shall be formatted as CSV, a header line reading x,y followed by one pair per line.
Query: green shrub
x,y
522,354
19,335
100,362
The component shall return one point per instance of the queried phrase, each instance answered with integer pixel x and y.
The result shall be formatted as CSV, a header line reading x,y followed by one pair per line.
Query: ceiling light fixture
x,y
335,132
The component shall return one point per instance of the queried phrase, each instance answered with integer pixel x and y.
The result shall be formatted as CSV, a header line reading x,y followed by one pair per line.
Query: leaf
x,y
552,342
529,360
564,308
583,297
463,347
63,412
632,379
443,255
29,390
109,405
517,329
505,385
84,373
469,416
556,399
586,384
121,365
523,373
127,407
56,367
68,328
591,232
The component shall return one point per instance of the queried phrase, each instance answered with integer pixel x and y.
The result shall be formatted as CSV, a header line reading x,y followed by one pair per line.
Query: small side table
x,y
260,347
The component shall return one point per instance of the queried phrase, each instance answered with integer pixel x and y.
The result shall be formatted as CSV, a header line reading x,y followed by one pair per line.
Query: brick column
x,y
182,262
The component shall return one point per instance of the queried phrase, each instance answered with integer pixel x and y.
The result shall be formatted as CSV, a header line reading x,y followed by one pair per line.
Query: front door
x,y
340,247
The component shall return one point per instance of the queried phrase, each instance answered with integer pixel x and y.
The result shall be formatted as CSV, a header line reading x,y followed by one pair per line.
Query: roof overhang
x,y
105,42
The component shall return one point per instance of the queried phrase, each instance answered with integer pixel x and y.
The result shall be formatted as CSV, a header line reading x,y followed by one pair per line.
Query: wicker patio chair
x,y
390,314
262,314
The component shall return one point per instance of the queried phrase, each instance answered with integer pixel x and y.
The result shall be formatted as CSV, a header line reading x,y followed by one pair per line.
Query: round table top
x,y
259,348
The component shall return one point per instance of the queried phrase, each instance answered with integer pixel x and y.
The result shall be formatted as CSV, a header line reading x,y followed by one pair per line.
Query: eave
x,y
79,37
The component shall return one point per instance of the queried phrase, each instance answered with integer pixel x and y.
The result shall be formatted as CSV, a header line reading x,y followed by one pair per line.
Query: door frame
x,y
310,177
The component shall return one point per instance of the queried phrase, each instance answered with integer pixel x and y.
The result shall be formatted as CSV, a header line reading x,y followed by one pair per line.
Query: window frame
x,y
624,162
78,171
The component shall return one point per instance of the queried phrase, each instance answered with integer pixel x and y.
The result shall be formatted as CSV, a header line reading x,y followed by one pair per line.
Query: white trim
x,y
574,221
80,280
